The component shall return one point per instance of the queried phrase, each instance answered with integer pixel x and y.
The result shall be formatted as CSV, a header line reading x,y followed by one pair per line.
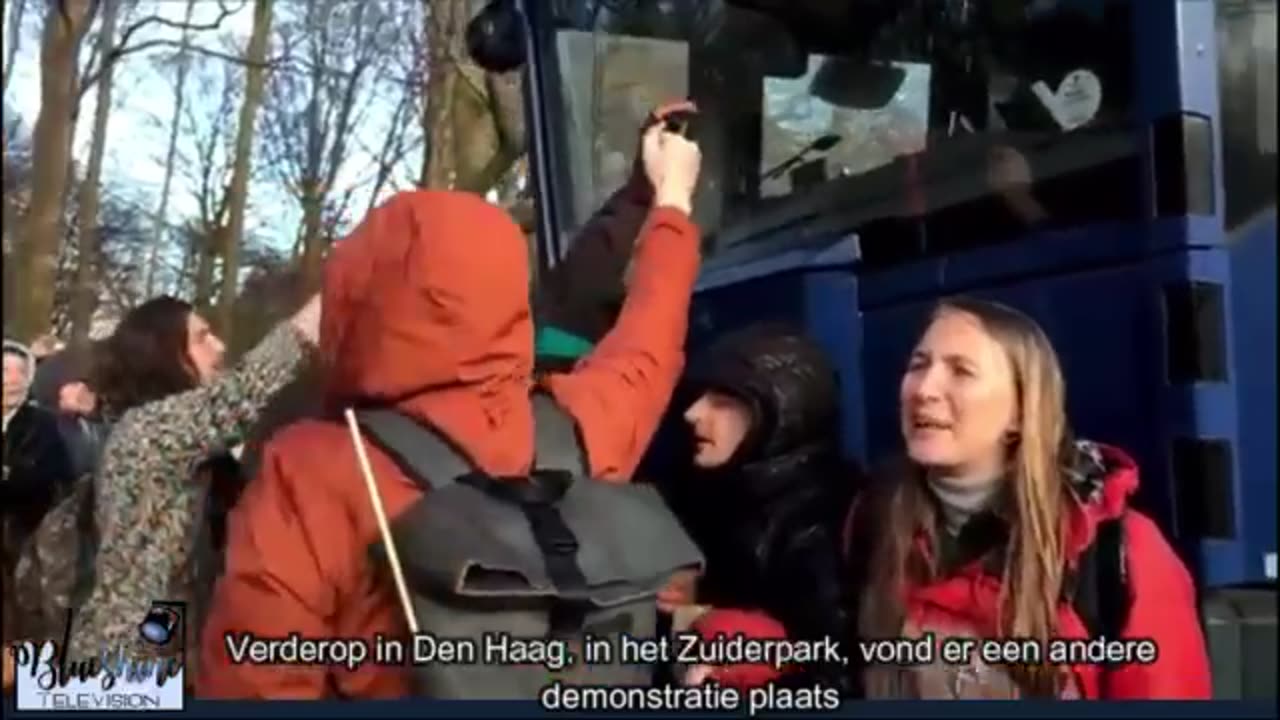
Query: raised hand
x,y
307,320
672,163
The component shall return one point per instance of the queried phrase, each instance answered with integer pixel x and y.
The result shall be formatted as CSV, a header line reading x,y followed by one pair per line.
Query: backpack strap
x,y
420,450
86,572
557,446
85,491
1101,593
1113,580
428,457
558,451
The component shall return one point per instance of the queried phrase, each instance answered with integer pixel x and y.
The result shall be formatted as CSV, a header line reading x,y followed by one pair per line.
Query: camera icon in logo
x,y
160,623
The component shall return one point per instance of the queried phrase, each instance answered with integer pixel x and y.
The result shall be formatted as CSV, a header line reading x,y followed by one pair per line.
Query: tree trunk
x,y
88,258
310,194
496,137
185,287
162,213
64,29
312,240
204,247
473,121
255,80
446,26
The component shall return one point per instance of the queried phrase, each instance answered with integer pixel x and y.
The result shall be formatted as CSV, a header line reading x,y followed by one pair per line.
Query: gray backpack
x,y
496,567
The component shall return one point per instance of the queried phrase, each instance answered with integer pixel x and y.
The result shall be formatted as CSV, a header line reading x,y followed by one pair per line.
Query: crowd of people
x,y
129,480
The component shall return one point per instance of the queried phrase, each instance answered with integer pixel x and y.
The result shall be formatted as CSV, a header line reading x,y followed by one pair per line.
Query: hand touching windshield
x,y
672,164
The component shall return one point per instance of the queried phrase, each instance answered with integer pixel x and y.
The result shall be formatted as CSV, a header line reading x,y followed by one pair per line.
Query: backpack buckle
x,y
566,545
559,546
551,533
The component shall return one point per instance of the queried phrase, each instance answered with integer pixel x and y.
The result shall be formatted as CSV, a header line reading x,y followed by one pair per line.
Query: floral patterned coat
x,y
147,502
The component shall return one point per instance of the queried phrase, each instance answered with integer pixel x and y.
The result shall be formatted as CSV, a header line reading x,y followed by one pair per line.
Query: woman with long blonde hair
x,y
999,530
990,529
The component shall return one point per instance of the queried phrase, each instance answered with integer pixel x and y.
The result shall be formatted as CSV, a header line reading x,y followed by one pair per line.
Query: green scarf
x,y
554,342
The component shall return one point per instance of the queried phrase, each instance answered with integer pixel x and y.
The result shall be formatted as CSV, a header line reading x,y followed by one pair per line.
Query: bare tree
x,y
255,81
65,25
16,178
403,138
445,24
204,158
87,291
128,45
395,148
183,60
119,229
311,115
62,86
122,229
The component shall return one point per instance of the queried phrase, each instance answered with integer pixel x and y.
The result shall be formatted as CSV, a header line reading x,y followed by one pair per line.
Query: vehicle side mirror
x,y
857,85
495,37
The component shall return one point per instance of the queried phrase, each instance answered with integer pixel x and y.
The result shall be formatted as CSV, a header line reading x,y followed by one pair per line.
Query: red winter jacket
x,y
1162,599
723,624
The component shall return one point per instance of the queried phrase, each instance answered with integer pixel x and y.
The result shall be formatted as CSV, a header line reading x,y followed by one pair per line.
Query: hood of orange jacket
x,y
426,309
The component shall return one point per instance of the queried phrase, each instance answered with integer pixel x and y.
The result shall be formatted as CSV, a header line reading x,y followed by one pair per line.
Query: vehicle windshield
x,y
958,121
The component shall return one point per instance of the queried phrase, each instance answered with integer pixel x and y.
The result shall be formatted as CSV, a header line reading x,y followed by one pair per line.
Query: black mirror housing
x,y
495,37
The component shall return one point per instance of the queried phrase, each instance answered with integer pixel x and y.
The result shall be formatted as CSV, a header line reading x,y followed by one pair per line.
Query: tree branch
x,y
338,150
393,149
122,48
223,13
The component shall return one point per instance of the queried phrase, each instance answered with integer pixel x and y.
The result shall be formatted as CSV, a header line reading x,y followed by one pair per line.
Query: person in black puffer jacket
x,y
769,486
37,474
37,469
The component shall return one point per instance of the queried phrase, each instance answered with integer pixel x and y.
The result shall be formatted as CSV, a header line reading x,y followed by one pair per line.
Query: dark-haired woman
x,y
160,379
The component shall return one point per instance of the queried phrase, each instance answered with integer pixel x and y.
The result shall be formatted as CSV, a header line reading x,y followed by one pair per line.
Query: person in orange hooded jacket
x,y
426,309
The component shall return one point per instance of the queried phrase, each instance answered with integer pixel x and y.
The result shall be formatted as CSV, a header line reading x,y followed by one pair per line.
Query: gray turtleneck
x,y
961,499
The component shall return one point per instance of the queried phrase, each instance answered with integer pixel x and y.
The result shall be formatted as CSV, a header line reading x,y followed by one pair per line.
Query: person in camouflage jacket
x,y
129,535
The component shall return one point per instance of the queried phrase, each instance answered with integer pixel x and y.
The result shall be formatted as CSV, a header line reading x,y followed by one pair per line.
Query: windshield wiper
x,y
823,143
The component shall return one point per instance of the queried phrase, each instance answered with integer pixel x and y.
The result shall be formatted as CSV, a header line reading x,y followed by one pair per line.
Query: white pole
x,y
383,527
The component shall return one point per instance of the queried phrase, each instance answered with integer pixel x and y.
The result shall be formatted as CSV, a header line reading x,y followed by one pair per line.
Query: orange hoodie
x,y
426,309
